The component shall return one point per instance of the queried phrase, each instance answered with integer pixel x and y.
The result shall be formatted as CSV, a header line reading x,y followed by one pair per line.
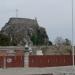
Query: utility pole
x,y
72,36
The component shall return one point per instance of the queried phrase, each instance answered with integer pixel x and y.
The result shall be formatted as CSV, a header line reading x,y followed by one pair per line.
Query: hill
x,y
23,30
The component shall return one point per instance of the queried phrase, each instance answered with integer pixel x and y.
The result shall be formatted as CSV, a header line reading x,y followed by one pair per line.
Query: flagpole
x,y
16,13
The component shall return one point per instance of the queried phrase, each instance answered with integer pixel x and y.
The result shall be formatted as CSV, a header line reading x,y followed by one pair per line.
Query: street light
x,y
72,37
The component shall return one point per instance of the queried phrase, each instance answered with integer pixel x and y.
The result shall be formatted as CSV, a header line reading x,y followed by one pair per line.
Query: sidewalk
x,y
23,71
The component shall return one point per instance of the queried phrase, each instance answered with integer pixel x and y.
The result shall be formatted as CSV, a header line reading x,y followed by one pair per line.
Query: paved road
x,y
47,70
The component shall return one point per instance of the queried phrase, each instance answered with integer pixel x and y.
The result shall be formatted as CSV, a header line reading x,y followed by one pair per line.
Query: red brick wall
x,y
50,60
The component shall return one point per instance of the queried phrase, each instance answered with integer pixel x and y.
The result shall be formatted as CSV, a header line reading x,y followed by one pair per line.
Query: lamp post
x,y
72,36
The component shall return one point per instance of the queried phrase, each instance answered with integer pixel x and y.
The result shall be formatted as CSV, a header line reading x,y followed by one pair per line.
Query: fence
x,y
50,60
11,61
36,61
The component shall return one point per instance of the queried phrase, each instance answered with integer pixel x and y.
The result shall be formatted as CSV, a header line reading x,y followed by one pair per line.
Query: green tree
x,y
4,40
34,39
50,43
67,42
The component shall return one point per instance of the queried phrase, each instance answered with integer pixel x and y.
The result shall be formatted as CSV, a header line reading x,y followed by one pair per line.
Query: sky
x,y
54,15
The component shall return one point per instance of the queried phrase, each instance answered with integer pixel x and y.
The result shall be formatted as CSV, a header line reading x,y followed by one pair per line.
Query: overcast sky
x,y
54,15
